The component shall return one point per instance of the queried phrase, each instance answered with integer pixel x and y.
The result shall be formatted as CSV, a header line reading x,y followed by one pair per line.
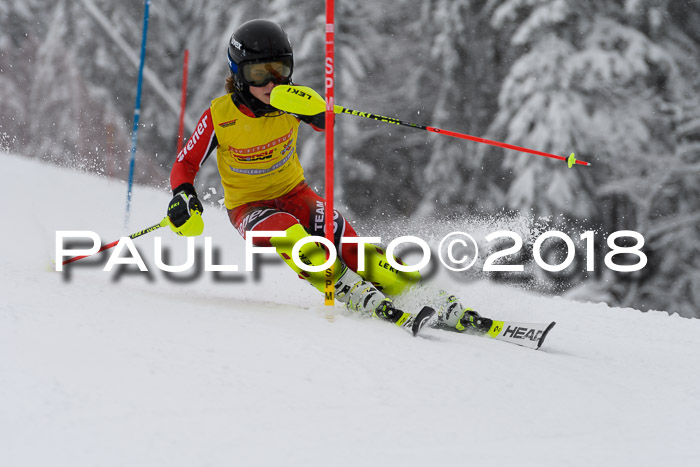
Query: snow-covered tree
x,y
602,79
426,63
458,73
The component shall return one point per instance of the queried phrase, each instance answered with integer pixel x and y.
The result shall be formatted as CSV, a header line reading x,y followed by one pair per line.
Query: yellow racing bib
x,y
257,157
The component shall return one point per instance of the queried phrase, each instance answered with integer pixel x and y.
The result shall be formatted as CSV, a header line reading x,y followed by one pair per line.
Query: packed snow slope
x,y
134,369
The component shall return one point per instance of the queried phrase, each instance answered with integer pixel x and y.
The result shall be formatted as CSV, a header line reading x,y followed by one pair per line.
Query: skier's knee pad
x,y
383,275
275,221
310,254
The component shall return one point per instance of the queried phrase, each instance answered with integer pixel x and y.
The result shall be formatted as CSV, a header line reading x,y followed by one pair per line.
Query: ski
x,y
414,323
530,335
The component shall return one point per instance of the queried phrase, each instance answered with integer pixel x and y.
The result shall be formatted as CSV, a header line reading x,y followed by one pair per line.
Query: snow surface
x,y
108,369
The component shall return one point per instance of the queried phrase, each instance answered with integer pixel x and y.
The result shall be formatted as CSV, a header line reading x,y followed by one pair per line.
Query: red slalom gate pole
x,y
183,102
330,121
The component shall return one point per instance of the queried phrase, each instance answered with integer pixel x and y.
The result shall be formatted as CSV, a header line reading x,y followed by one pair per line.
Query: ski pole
x,y
162,223
303,100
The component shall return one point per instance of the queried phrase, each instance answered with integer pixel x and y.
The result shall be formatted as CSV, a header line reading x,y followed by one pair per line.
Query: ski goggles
x,y
258,74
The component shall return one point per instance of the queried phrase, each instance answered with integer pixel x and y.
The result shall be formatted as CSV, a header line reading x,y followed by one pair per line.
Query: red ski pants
x,y
302,206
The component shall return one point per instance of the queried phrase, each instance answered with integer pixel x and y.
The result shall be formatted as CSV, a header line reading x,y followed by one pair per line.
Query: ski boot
x,y
362,296
473,322
453,315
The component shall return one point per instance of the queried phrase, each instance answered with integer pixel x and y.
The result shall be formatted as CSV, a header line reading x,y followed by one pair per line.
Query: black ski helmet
x,y
255,41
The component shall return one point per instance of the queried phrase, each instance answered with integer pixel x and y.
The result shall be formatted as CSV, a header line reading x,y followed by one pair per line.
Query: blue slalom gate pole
x,y
137,111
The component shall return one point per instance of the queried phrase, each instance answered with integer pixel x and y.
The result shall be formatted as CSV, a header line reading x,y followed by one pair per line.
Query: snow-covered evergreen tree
x,y
458,73
601,79
428,64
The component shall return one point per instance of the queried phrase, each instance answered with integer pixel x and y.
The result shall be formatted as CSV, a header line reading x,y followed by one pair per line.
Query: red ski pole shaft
x,y
162,223
572,160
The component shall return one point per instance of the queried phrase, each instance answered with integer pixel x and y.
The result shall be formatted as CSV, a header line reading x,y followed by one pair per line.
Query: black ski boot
x,y
474,322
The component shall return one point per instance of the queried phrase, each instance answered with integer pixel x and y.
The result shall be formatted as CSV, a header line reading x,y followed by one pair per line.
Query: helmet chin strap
x,y
243,95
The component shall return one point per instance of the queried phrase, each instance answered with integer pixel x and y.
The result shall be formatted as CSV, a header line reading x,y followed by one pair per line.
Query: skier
x,y
264,187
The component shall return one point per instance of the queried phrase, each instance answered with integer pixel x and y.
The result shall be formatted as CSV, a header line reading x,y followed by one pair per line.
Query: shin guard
x,y
312,254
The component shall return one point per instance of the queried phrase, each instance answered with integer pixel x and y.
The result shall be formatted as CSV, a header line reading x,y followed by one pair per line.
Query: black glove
x,y
183,203
318,120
